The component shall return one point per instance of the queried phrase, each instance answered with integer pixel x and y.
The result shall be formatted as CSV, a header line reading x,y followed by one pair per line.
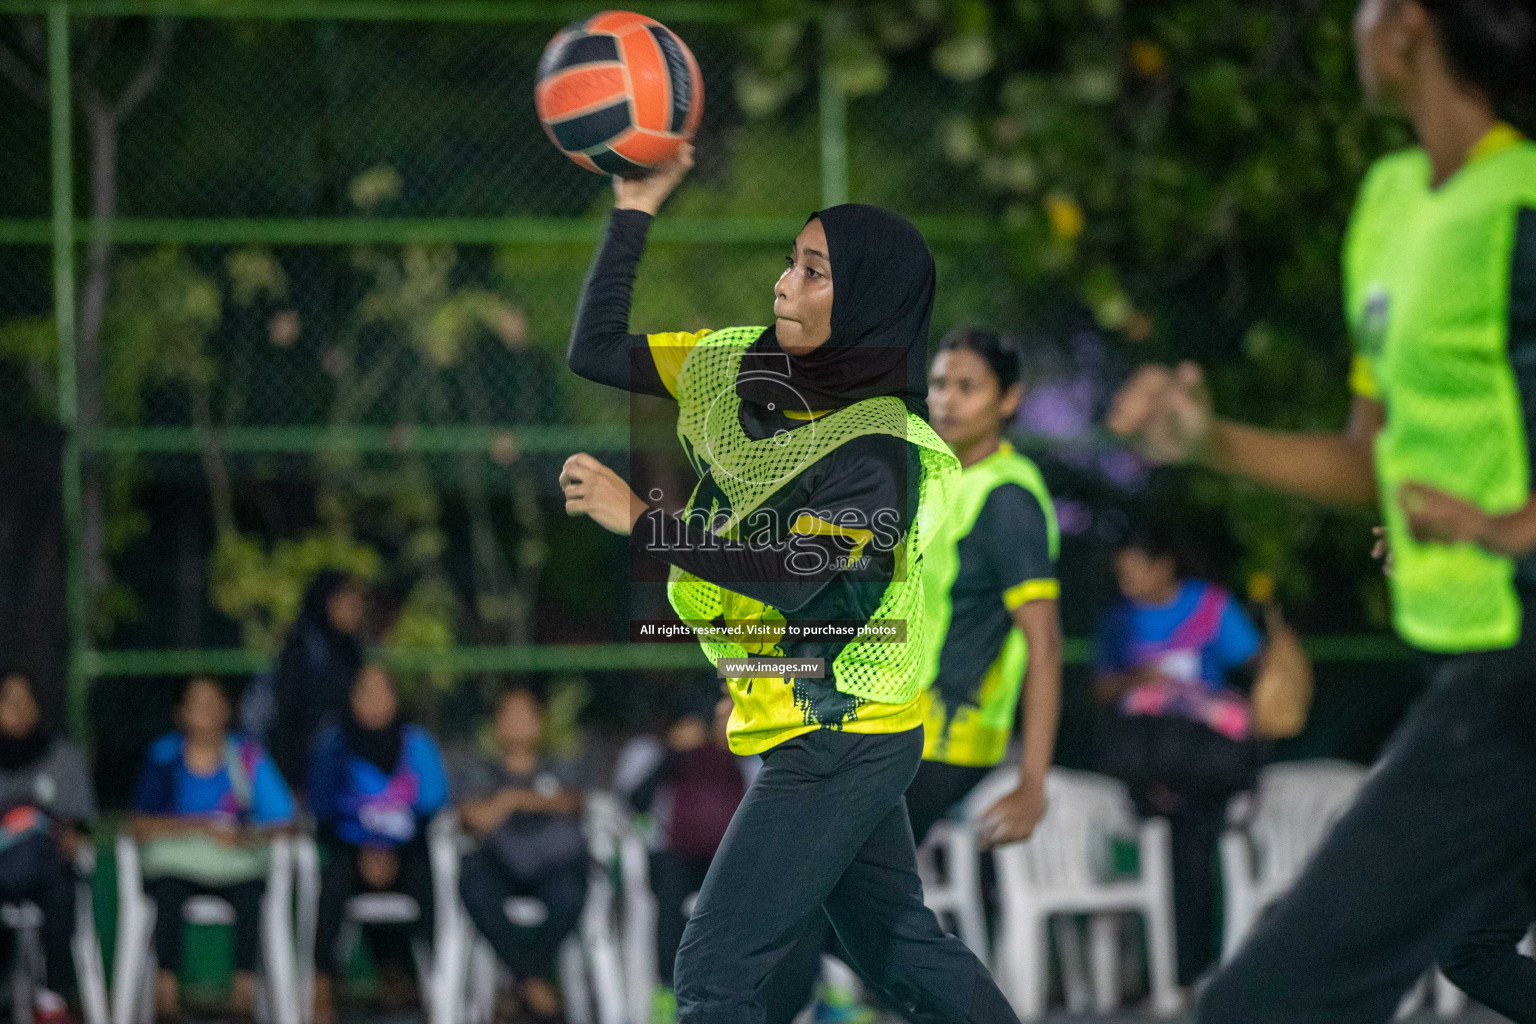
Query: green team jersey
x,y
1440,291
995,552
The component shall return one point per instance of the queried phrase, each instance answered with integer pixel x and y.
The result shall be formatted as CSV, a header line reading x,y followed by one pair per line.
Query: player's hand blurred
x,y
592,489
1437,517
1382,549
1013,817
1165,412
648,193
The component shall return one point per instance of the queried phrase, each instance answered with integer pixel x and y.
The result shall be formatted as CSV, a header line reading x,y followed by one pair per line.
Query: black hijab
x,y
379,747
882,299
17,752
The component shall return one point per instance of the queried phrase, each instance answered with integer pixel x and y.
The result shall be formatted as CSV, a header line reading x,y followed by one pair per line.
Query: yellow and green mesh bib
x,y
748,471
1432,299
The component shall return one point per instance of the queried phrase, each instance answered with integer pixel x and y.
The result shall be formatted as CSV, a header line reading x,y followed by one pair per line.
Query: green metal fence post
x,y
64,321
833,116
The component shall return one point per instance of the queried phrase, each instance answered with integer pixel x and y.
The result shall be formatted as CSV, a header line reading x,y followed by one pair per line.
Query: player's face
x,y
374,703
18,708
802,298
964,399
1385,33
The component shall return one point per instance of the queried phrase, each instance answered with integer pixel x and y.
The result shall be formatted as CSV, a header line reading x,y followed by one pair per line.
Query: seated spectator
x,y
1181,730
692,794
46,804
525,811
374,784
208,803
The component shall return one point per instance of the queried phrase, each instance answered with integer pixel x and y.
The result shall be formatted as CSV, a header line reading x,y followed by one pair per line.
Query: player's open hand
x,y
1013,817
1437,517
1165,412
592,489
648,193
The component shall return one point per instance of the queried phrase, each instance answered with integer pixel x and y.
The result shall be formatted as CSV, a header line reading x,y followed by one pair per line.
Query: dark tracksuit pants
x,y
340,880
35,869
1442,830
171,894
824,825
934,790
1485,963
485,884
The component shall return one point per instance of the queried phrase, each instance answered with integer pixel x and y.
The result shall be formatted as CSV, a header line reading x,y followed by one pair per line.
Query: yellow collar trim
x,y
1497,139
796,414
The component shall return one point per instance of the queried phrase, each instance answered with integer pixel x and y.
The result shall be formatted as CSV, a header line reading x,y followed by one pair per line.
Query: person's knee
x,y
477,885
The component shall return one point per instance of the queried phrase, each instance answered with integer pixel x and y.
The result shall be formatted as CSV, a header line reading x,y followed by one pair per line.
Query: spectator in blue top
x,y
208,803
374,784
1174,658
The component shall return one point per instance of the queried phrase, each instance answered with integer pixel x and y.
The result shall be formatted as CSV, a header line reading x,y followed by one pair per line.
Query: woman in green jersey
x,y
820,486
1440,283
991,592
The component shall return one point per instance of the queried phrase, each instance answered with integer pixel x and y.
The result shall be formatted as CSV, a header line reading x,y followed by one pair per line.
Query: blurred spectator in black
x,y
321,657
525,810
375,782
1170,660
46,803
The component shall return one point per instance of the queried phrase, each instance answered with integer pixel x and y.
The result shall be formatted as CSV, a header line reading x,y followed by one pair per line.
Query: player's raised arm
x,y
602,348
1167,413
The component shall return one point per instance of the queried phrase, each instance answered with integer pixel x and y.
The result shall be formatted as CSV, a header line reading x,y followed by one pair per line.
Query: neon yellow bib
x,y
748,471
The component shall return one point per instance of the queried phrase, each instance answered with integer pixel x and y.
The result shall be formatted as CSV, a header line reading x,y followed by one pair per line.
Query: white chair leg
x,y
1068,932
573,983
133,982
1027,955
306,891
1104,958
1156,866
965,880
1450,1001
1237,892
277,936
602,954
86,947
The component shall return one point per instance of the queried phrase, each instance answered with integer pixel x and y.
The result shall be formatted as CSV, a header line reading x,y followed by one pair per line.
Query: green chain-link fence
x,y
297,276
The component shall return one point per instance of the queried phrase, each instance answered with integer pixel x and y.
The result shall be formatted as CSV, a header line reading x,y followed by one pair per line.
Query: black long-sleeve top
x,y
869,480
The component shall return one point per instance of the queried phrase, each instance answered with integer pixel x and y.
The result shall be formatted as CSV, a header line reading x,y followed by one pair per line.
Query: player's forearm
x,y
1334,469
1042,690
1513,534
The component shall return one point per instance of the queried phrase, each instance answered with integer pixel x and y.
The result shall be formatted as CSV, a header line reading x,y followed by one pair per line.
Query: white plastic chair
x,y
371,908
637,918
1064,869
591,975
1289,814
133,990
954,891
26,920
